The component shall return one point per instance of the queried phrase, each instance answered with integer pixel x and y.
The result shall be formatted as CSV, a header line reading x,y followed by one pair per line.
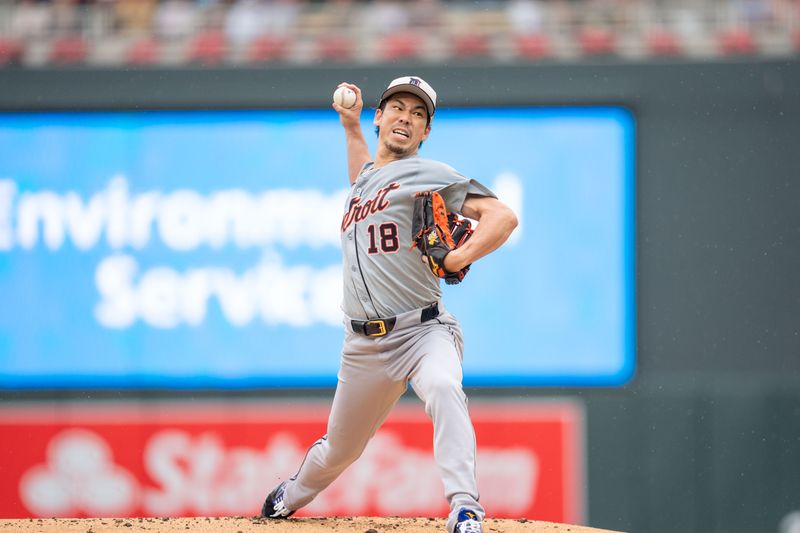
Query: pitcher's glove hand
x,y
437,233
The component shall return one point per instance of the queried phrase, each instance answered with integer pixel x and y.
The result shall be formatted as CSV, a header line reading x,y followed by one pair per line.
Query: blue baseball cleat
x,y
467,522
274,507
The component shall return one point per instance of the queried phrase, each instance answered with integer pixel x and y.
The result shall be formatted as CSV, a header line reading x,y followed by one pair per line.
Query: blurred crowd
x,y
109,32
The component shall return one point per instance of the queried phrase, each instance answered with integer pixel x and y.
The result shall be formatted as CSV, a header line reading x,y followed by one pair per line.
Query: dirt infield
x,y
257,525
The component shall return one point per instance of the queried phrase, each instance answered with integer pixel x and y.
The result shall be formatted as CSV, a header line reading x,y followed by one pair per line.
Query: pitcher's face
x,y
403,124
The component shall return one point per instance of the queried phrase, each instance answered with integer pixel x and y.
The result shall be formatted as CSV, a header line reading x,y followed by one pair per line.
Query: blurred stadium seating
x,y
10,51
214,32
662,42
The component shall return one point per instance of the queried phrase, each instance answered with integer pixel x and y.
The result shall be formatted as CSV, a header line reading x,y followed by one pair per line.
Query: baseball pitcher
x,y
401,235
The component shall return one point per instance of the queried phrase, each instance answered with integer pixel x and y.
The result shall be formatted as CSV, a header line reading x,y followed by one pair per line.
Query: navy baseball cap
x,y
416,86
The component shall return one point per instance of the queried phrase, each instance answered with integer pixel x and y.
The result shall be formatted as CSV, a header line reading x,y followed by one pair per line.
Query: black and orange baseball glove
x,y
437,233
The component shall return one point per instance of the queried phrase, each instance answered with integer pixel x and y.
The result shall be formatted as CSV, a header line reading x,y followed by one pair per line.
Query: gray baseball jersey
x,y
383,276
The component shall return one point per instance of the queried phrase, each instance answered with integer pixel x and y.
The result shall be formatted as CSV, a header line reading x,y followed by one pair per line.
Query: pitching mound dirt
x,y
257,525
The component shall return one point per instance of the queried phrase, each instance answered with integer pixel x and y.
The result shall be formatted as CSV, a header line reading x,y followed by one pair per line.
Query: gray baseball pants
x,y
373,375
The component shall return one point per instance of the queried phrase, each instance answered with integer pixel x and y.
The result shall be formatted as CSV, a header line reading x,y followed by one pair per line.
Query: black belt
x,y
381,326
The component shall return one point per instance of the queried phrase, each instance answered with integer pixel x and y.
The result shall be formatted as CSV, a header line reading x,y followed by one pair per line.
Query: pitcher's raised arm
x,y
350,117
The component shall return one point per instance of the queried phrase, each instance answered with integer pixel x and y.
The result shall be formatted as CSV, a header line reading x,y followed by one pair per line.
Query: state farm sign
x,y
221,458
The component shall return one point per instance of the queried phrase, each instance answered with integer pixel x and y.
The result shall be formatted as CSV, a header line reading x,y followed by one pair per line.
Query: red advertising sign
x,y
221,458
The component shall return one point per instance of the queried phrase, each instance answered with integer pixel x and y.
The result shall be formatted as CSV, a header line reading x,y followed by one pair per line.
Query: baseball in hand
x,y
345,97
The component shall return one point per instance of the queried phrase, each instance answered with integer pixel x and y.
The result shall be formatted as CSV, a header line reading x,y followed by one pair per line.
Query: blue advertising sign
x,y
201,248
